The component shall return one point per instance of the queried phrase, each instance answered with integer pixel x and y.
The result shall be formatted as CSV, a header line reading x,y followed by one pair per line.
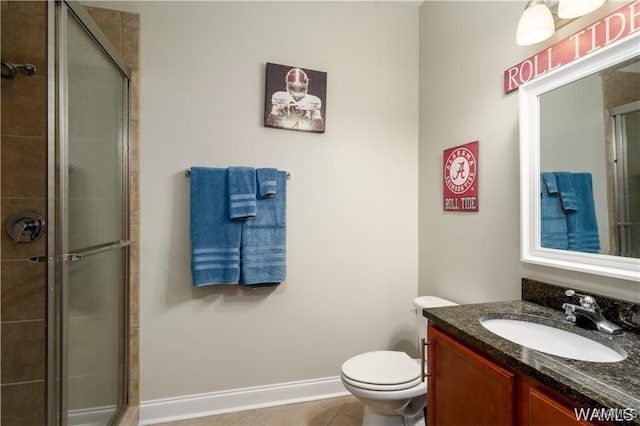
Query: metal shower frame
x,y
57,212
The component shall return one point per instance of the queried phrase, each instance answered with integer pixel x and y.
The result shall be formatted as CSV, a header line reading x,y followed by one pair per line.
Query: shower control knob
x,y
25,227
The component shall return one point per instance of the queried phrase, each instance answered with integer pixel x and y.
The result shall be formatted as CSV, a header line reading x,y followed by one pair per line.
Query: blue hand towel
x,y
566,188
242,192
549,182
215,239
552,217
264,240
582,224
267,186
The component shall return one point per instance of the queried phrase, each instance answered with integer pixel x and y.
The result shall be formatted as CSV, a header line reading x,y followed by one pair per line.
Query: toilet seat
x,y
382,371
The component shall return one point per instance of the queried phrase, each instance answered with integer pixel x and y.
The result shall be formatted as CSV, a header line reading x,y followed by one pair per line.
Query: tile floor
x,y
343,411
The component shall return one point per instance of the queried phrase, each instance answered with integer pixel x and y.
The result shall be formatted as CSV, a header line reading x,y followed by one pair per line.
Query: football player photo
x,y
295,98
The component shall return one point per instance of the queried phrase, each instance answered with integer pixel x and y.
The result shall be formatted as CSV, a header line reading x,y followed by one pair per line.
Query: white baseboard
x,y
209,404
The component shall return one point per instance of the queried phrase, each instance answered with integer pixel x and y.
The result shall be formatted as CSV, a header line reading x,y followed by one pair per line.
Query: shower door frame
x,y
57,211
623,222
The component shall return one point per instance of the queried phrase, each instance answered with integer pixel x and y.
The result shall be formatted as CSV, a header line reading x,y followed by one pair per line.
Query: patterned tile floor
x,y
343,411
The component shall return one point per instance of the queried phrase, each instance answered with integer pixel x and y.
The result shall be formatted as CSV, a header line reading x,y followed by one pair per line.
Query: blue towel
x,y
552,217
549,183
582,224
267,186
566,188
215,239
264,240
242,192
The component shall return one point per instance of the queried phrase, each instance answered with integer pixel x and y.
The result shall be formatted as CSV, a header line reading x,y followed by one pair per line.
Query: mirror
x,y
580,164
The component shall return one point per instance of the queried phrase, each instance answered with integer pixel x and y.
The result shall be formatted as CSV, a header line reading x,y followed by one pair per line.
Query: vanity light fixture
x,y
569,9
540,17
536,23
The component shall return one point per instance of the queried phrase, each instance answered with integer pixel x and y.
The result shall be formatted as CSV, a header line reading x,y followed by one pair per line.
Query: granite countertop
x,y
590,384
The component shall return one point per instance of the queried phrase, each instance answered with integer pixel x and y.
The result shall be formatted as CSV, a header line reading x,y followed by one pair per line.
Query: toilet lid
x,y
382,368
417,383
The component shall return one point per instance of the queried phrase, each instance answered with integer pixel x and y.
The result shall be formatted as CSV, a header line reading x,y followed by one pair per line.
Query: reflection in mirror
x,y
590,163
582,119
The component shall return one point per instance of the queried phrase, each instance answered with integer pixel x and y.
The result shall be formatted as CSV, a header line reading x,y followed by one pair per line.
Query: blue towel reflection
x,y
553,220
567,211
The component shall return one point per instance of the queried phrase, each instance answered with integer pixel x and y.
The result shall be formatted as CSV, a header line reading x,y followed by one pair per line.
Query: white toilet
x,y
388,382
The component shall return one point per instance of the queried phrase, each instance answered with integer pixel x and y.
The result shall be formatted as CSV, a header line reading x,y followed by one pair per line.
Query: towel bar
x,y
187,173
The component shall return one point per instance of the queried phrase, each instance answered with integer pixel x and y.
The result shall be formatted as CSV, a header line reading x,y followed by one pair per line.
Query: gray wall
x,y
352,240
572,139
464,48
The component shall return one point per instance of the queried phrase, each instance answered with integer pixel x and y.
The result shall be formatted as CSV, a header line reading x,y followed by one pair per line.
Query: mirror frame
x,y
626,268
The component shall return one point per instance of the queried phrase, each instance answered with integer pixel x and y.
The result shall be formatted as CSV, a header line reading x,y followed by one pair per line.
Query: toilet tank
x,y
427,302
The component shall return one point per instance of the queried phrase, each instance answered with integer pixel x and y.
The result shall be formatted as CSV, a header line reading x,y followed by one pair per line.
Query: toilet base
x,y
371,418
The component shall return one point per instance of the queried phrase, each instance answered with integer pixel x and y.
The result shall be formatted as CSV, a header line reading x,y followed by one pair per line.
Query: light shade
x,y
536,23
568,9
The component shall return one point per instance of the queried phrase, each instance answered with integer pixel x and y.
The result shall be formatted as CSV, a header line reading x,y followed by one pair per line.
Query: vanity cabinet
x,y
542,409
467,388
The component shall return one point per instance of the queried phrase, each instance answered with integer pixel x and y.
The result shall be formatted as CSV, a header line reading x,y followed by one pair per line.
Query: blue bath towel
x,y
567,191
267,186
582,224
264,240
242,192
215,238
553,219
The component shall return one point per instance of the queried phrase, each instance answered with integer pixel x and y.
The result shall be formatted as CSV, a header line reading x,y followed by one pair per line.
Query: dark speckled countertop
x,y
589,384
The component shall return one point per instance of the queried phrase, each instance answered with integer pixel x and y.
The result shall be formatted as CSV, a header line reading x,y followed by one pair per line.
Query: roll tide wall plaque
x,y
460,178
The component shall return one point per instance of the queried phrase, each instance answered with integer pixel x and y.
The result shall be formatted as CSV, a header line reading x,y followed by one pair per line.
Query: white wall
x,y
474,257
352,199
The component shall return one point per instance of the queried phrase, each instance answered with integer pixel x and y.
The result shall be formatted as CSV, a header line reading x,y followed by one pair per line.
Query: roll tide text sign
x,y
460,184
614,27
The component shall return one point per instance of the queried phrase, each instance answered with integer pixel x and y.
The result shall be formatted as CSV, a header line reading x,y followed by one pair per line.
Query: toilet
x,y
388,383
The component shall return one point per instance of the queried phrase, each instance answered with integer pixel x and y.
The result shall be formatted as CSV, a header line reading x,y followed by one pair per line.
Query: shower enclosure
x,y
626,119
65,209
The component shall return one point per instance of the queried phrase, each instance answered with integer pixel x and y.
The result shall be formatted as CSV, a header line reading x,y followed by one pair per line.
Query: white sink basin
x,y
554,341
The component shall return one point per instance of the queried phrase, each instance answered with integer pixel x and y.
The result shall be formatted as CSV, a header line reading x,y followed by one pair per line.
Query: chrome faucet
x,y
588,313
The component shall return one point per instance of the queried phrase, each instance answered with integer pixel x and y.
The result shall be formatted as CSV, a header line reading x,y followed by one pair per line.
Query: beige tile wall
x,y
23,186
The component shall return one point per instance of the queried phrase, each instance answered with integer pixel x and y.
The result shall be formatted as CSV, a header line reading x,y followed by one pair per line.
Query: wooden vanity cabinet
x,y
466,388
540,409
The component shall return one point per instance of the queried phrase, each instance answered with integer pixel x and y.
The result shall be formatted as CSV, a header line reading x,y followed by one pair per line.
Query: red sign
x,y
460,166
617,26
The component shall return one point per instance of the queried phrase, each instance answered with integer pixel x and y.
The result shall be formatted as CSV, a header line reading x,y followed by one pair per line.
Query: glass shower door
x,y
91,201
627,143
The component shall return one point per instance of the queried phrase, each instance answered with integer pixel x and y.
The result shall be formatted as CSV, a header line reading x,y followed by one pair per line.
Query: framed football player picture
x,y
295,98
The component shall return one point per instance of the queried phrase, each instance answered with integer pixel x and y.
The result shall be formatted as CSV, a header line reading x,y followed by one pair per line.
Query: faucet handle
x,y
570,310
586,301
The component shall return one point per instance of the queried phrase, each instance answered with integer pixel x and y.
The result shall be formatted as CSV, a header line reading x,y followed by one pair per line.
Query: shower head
x,y
10,70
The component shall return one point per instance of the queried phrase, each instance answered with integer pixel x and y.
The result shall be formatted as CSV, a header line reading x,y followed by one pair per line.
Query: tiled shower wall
x,y
23,187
